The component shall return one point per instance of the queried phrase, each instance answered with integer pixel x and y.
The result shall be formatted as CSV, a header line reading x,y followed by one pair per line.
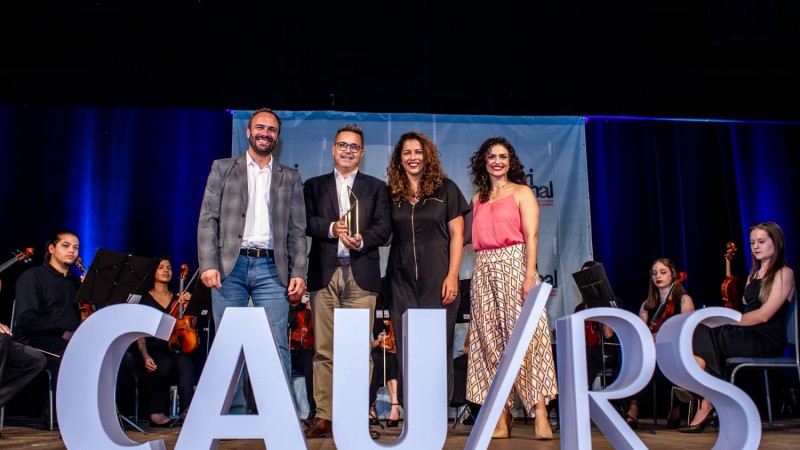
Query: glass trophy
x,y
351,218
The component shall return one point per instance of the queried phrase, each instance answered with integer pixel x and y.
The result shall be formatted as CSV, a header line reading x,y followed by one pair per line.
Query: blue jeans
x,y
256,278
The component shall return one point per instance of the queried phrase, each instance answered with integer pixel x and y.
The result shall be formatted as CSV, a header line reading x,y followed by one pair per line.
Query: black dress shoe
x,y
373,418
711,419
374,434
320,428
308,421
632,422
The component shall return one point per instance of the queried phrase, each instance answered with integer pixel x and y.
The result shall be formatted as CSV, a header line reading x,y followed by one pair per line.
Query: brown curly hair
x,y
432,174
477,166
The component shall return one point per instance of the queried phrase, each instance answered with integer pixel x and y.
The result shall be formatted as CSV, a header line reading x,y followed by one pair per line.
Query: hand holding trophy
x,y
349,224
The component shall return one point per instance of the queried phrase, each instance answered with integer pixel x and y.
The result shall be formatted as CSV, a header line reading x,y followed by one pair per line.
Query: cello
x,y
184,337
731,296
667,306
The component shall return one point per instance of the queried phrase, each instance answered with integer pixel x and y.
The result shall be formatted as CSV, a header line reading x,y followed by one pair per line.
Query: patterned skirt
x,y
496,294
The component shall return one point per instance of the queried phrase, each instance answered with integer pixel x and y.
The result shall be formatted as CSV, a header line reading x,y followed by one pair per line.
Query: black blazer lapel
x,y
329,190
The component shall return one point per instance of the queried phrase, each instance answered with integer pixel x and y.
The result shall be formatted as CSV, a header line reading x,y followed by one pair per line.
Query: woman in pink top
x,y
504,237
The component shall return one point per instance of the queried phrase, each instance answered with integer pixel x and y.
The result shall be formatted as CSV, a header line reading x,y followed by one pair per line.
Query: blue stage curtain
x,y
682,189
131,180
128,180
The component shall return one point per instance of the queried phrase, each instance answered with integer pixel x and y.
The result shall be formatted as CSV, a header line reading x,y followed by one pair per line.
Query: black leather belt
x,y
257,253
343,262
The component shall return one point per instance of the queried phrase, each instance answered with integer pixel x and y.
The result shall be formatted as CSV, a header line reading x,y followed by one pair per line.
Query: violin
x,y
24,256
388,342
86,309
184,337
731,296
590,328
302,337
667,306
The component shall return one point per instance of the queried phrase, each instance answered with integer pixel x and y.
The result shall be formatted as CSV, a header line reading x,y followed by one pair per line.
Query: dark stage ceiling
x,y
682,58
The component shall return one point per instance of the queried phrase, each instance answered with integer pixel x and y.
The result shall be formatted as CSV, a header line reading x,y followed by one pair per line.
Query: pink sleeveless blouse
x,y
496,225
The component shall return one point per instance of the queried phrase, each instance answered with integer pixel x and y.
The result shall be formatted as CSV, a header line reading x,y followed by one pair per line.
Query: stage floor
x,y
785,436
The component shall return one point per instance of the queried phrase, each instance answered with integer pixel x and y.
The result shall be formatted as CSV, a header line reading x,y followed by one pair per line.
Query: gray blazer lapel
x,y
241,178
274,186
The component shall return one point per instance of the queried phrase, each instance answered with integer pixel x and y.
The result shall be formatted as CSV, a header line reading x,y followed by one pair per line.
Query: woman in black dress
x,y
158,357
427,238
761,332
665,289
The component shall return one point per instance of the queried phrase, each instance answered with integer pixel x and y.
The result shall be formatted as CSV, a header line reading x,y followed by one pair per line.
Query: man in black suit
x,y
344,262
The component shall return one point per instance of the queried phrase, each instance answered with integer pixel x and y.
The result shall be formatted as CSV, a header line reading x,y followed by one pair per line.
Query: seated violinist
x,y
157,355
46,315
666,297
301,344
384,373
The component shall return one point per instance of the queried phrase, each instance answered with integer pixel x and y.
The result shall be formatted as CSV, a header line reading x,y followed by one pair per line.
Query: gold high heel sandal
x,y
503,428
543,431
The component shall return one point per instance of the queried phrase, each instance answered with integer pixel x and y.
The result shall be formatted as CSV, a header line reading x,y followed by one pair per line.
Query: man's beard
x,y
262,151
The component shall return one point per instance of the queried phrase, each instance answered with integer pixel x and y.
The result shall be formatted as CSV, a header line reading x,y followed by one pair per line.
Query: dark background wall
x,y
683,58
111,112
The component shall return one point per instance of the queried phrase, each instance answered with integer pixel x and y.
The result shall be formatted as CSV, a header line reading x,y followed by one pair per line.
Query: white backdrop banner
x,y
552,149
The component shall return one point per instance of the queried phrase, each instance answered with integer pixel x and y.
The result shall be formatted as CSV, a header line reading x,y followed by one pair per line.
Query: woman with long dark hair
x,y
665,288
159,358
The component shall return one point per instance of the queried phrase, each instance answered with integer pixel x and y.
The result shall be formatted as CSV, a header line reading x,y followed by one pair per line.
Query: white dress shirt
x,y
257,225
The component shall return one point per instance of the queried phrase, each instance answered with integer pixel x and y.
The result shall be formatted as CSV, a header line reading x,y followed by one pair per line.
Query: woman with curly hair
x,y
505,227
427,213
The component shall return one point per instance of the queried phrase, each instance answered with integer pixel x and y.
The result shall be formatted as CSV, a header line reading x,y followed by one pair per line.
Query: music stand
x,y
596,291
595,288
200,303
114,277
200,306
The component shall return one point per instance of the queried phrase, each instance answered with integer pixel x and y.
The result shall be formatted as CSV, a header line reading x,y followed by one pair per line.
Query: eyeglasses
x,y
344,146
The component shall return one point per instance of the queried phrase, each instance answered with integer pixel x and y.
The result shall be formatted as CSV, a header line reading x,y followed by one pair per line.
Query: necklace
x,y
160,293
498,188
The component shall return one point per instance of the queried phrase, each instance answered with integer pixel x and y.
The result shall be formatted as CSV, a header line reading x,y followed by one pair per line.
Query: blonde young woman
x,y
761,332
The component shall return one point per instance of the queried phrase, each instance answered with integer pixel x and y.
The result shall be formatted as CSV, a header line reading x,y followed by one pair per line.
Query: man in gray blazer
x,y
251,235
